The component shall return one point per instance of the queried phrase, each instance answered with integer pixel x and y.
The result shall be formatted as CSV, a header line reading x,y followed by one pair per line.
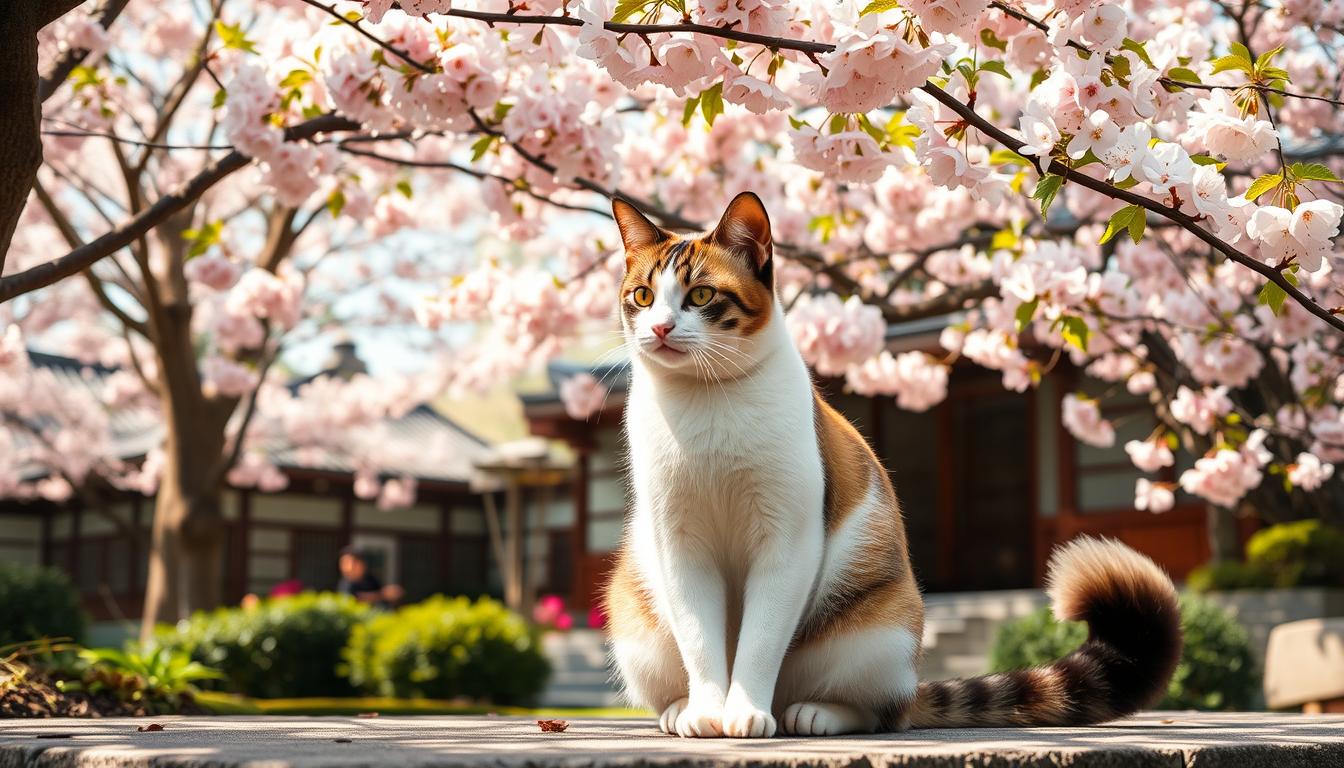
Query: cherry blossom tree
x,y
1147,191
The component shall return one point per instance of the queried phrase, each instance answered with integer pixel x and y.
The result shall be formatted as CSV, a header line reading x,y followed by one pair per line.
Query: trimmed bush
x,y
1228,574
283,647
448,648
36,603
1307,553
1216,671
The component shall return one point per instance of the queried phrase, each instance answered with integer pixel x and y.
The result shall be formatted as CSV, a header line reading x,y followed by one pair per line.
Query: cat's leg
x,y
694,597
856,676
643,650
778,586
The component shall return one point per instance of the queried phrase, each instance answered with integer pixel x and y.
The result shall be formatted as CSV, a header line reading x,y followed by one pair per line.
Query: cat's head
x,y
698,305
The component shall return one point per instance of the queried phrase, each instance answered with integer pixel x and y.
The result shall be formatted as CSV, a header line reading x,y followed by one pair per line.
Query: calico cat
x,y
764,582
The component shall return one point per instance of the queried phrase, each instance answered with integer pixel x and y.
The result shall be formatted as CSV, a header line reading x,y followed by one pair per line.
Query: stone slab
x,y
1169,740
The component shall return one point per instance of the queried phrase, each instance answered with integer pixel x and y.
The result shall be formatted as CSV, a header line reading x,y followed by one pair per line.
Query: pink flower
x,y
582,395
1226,475
833,335
1309,472
264,295
1149,455
398,493
366,485
756,95
13,353
213,270
917,380
1219,125
871,67
1082,417
950,17
1200,410
222,377
1153,497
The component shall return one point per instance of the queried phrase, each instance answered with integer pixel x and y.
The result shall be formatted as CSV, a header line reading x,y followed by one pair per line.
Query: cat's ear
x,y
745,226
636,229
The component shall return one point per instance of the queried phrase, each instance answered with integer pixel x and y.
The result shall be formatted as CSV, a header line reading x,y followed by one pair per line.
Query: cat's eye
x,y
643,296
700,296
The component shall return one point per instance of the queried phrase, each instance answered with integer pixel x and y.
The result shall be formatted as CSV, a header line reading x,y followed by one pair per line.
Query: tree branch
x,y
81,258
74,57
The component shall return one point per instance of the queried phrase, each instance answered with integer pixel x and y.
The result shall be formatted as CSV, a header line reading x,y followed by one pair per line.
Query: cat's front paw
x,y
667,723
698,721
742,720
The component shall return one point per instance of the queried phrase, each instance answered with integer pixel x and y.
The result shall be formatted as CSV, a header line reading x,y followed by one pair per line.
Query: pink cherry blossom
x,y
1200,410
1149,455
1083,419
582,395
833,335
918,381
1153,497
1309,472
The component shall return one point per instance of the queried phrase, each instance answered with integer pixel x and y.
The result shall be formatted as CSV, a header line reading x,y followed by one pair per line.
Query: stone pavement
x,y
1171,740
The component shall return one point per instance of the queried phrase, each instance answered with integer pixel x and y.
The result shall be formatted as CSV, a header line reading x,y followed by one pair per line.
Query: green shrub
x,y
446,648
37,602
1307,553
1228,574
283,647
1216,671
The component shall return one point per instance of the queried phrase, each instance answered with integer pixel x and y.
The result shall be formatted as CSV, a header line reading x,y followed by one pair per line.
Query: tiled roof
x,y
415,444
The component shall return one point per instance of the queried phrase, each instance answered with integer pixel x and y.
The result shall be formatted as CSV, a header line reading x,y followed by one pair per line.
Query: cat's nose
x,y
662,329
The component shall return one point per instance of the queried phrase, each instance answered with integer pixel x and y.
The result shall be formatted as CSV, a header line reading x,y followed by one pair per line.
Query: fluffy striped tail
x,y
1133,644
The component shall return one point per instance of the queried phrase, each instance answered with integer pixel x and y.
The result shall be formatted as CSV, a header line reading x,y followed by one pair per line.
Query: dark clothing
x,y
366,583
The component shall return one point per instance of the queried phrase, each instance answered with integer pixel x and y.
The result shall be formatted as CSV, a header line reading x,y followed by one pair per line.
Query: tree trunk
x,y
1224,541
20,142
185,568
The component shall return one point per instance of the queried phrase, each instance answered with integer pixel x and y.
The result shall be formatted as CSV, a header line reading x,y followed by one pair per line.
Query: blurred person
x,y
357,580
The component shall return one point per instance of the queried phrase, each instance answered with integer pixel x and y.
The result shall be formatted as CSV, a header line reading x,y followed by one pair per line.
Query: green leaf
x,y
1314,172
1119,222
1240,51
1005,157
626,9
996,67
838,124
824,226
794,122
1004,240
900,133
481,146
1025,313
1173,442
232,36
1229,63
1137,48
404,187
220,97
335,202
878,134
1046,189
689,111
297,79
201,239
711,102
502,110
1263,184
1136,225
878,6
992,40
1076,332
84,76
1273,296
1266,59
1184,74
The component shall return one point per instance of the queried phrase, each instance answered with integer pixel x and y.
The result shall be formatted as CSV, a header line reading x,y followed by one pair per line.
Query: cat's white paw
x,y
744,721
667,723
808,718
699,722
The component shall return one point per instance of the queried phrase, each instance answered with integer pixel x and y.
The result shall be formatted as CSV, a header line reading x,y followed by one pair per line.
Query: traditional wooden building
x,y
100,537
989,479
